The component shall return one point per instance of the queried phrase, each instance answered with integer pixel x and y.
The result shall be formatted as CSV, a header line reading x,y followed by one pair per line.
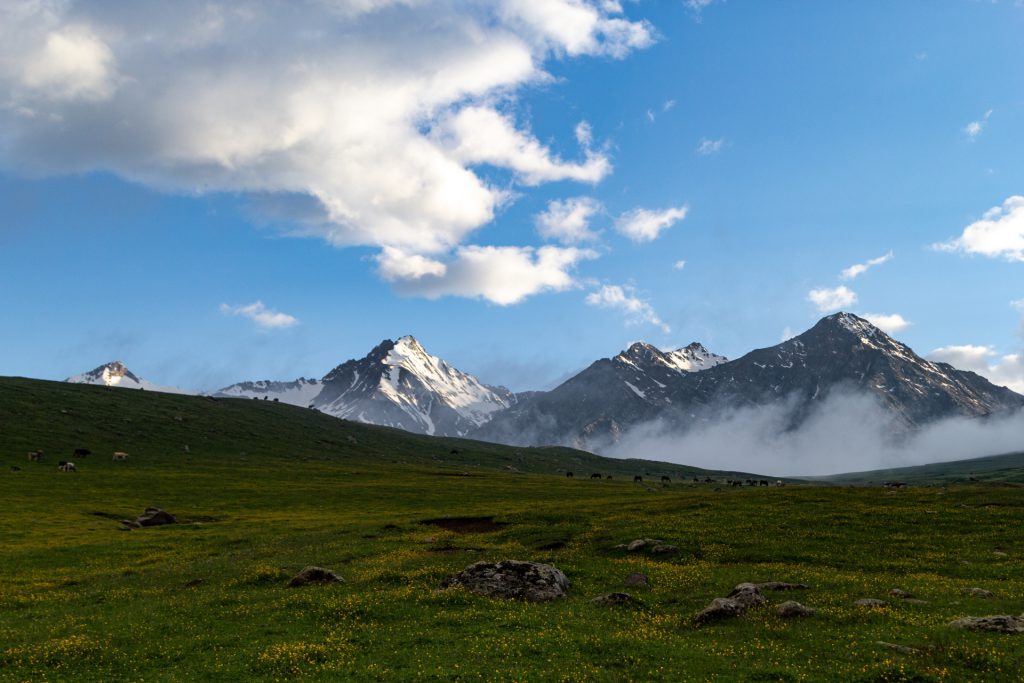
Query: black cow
x,y
569,474
737,483
696,480
454,451
664,478
764,482
709,480
596,475
608,477
82,452
637,478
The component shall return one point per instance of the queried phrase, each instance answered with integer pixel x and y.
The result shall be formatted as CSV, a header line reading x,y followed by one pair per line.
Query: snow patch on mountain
x,y
117,374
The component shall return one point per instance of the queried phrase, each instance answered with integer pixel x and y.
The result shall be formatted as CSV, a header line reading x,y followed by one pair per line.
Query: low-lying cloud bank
x,y
847,432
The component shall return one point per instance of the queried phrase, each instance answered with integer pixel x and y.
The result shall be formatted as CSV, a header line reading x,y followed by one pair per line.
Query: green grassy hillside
x,y
1007,468
267,489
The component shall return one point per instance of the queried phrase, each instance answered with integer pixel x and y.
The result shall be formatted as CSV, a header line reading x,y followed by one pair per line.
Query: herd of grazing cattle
x,y
665,479
67,465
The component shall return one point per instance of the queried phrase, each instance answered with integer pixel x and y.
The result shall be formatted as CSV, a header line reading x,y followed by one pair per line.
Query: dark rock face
x,y
1000,623
842,352
314,575
512,579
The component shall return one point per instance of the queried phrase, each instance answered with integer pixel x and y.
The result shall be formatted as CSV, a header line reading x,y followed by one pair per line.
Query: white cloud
x,y
708,147
379,110
624,299
787,334
860,268
974,128
644,225
1006,370
668,105
891,324
502,275
584,134
697,6
828,300
72,63
679,265
1000,232
568,220
261,315
481,135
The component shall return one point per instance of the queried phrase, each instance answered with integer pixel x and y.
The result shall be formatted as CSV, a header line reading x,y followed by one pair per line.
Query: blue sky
x,y
376,170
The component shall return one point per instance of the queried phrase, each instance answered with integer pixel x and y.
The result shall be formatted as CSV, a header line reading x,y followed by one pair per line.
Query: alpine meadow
x,y
511,340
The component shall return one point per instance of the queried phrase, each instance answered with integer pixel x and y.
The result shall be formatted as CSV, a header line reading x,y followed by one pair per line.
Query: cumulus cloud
x,y
828,300
644,225
846,432
261,315
382,113
891,324
708,147
974,128
568,220
1006,370
501,275
1000,233
624,299
861,268
679,265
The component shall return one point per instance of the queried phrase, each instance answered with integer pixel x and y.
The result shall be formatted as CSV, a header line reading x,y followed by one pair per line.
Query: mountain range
x,y
399,384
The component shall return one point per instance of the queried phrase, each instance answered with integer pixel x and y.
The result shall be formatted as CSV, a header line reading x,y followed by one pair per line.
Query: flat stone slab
x,y
999,623
614,599
719,609
871,602
791,609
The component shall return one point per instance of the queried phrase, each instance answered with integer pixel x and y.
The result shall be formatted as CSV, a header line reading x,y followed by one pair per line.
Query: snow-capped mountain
x,y
841,352
398,384
116,374
603,399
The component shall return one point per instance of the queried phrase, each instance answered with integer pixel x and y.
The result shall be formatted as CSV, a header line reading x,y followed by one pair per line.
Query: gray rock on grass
x,y
317,575
719,609
512,579
999,623
614,599
791,609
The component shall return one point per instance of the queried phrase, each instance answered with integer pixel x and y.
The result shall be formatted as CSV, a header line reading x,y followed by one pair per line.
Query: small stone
x,y
641,543
999,553
792,609
748,595
871,602
636,580
612,599
720,608
900,593
314,575
1000,623
915,601
980,593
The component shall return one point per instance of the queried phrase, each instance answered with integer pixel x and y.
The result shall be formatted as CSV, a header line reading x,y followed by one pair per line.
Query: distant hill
x,y
58,417
1007,468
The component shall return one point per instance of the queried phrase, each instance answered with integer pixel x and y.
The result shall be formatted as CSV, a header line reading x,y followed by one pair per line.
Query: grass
x,y
267,489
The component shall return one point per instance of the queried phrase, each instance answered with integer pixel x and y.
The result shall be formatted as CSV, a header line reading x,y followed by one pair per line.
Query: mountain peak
x,y
851,323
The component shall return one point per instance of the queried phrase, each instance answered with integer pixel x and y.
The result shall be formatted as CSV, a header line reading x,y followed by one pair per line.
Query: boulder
x,y
791,609
781,586
612,599
664,549
511,579
1000,623
719,609
314,575
634,580
980,593
642,543
871,602
748,595
152,517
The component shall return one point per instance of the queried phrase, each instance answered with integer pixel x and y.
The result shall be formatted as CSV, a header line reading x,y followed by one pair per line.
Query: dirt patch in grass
x,y
466,525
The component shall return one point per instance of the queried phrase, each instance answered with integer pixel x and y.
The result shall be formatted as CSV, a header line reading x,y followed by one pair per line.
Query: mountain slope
x,y
842,352
116,374
602,400
398,384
